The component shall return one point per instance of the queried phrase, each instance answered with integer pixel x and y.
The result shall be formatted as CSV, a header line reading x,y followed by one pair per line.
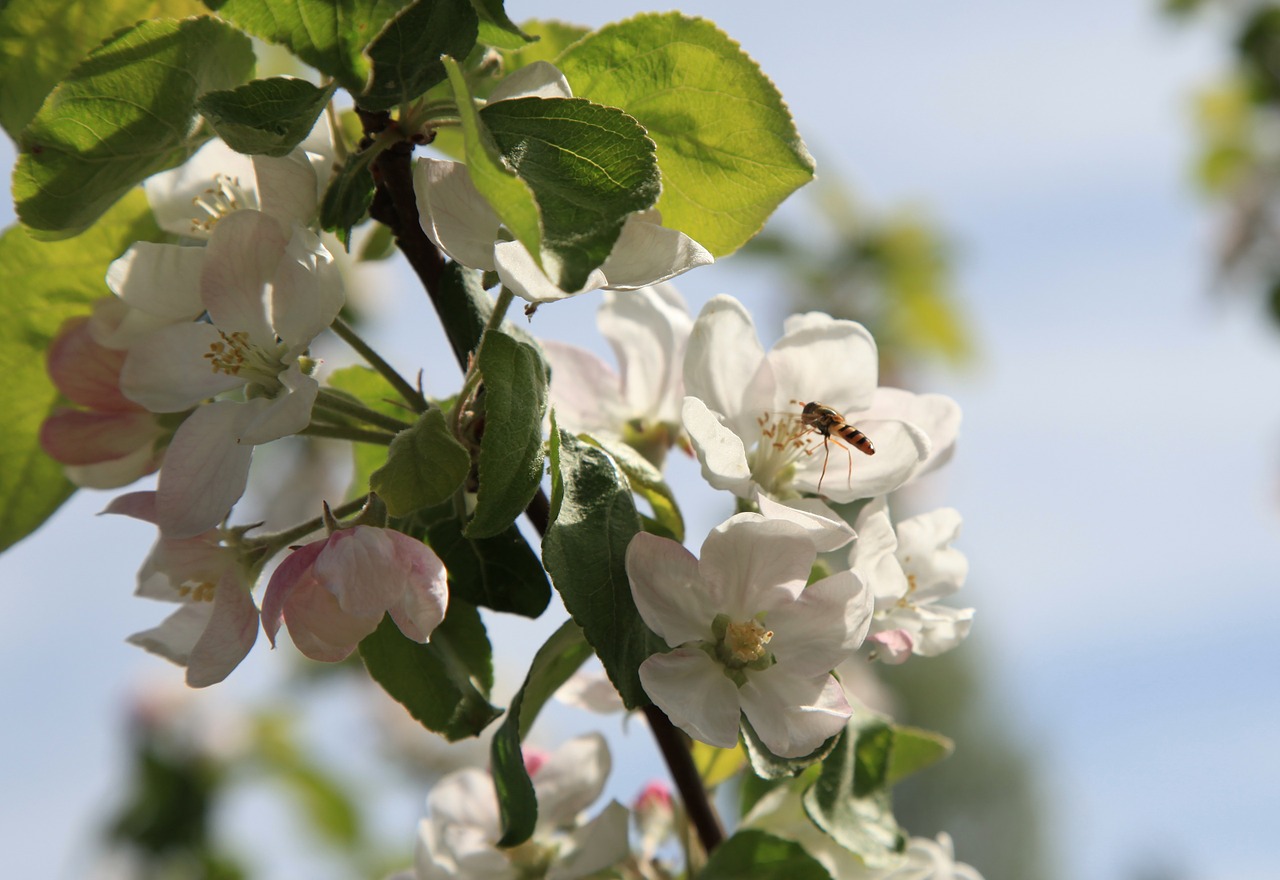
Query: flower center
x,y
217,201
234,355
201,592
740,645
746,641
782,441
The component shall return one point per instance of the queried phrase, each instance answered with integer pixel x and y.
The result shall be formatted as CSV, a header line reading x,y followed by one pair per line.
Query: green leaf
x,y
379,245
589,168
437,682
555,661
511,456
761,856
45,283
41,41
727,145
127,112
501,572
266,116
717,765
850,799
464,309
406,54
593,519
646,480
769,766
349,195
496,29
913,750
508,195
425,466
381,51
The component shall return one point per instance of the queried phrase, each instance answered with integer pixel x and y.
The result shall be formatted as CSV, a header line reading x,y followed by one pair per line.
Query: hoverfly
x,y
827,422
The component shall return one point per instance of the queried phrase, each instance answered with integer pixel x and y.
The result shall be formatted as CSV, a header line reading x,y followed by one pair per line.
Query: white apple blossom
x,y
218,623
640,403
908,570
743,412
462,224
749,637
457,840
333,592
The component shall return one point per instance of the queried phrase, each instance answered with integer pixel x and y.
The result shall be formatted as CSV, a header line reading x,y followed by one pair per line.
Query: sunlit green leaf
x,y
44,283
496,29
127,112
913,750
727,146
760,856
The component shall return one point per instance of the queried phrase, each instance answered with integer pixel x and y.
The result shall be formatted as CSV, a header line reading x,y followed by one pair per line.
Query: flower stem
x,y
276,542
411,395
338,403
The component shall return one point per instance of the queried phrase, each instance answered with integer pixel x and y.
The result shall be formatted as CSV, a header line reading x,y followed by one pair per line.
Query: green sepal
x,y
445,683
425,466
126,112
593,520
761,856
44,284
500,572
266,116
555,661
728,148
511,454
850,799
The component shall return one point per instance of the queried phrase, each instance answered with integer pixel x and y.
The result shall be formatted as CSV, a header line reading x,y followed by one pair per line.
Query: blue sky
x,y
1118,468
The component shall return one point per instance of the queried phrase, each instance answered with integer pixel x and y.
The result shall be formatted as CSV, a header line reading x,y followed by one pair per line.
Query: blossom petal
x,y
465,797
425,600
719,449
86,371
115,473
668,590
824,526
599,844
320,629
753,564
649,329
900,448
874,554
831,361
287,188
937,568
823,627
936,414
232,630
522,275
584,389
74,437
168,371
177,635
242,258
364,570
205,470
288,575
571,778
722,360
892,646
160,279
793,715
694,692
647,252
307,291
540,79
453,214
285,414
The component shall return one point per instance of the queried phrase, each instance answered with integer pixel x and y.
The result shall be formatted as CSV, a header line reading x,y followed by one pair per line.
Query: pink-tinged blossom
x,y
456,217
217,622
640,402
743,409
458,839
909,568
748,637
655,818
333,592
106,440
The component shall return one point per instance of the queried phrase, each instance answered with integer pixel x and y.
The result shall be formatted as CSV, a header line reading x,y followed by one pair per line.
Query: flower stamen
x,y
217,201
